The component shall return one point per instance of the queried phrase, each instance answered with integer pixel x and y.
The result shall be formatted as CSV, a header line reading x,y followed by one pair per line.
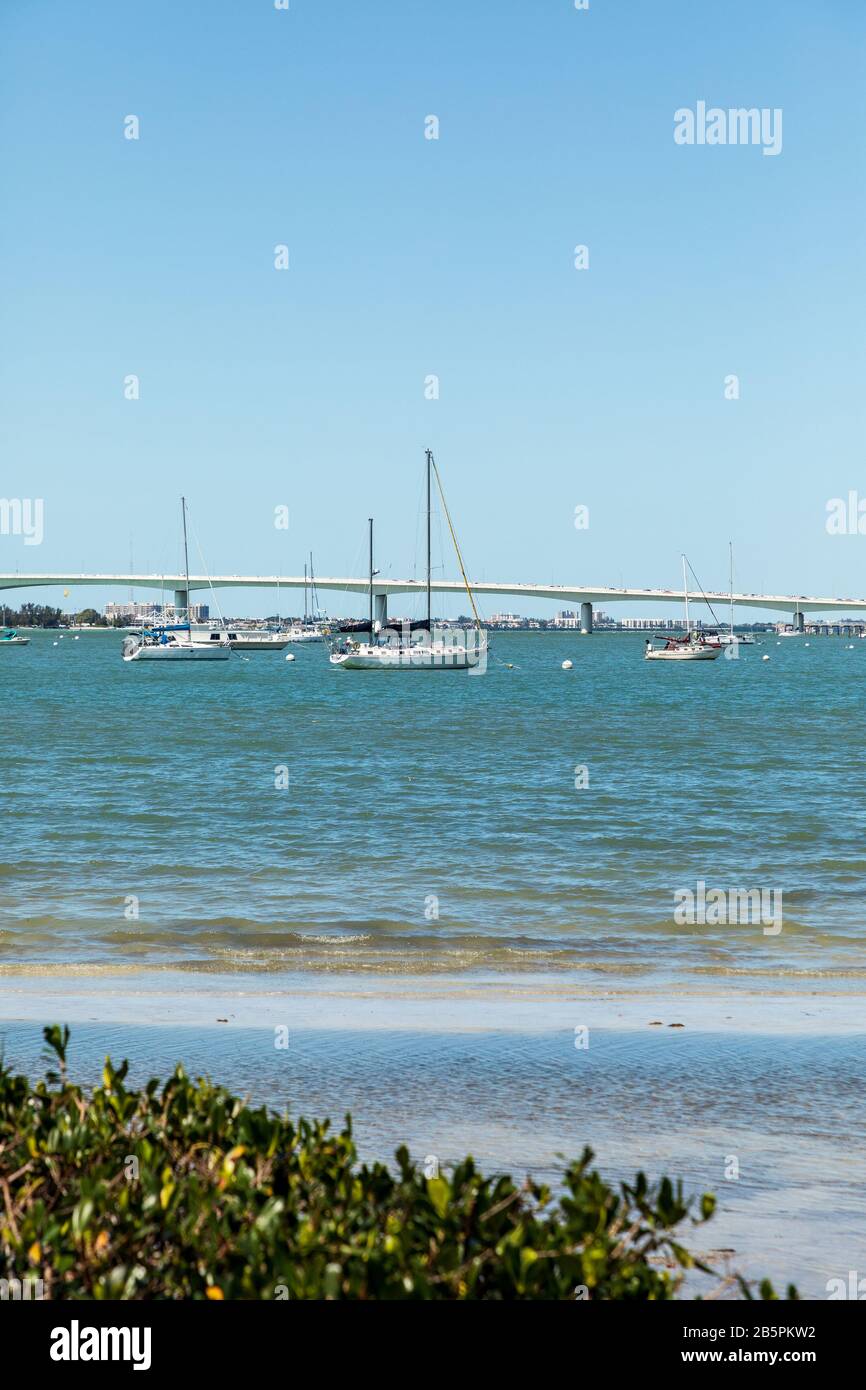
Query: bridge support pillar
x,y
181,603
799,622
586,618
380,608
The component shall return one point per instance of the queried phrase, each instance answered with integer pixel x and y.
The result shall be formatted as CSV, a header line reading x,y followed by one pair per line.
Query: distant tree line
x,y
92,618
33,615
42,615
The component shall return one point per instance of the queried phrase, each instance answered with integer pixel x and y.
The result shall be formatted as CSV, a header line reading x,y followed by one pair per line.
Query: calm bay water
x,y
411,794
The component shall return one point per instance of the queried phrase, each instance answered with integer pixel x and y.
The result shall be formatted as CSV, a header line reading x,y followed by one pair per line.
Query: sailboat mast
x,y
371,579
185,555
731,554
686,594
429,461
305,592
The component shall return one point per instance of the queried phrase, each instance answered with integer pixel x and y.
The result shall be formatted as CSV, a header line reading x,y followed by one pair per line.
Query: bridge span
x,y
586,596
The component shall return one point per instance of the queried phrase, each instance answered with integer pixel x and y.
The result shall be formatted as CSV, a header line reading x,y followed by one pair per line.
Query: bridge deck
x,y
785,603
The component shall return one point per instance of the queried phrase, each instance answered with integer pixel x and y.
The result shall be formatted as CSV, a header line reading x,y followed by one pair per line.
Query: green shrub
x,y
182,1190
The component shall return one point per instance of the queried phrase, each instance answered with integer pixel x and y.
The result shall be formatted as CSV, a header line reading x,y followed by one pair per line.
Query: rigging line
x,y
706,600
207,576
316,609
456,546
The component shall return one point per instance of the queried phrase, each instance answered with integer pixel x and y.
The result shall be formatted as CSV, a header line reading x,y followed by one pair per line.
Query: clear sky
x,y
410,257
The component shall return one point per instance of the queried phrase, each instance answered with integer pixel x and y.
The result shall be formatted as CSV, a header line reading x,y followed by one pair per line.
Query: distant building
x,y
566,618
659,624
133,613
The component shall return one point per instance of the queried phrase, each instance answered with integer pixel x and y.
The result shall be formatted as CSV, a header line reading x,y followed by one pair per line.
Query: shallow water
x,y
787,1110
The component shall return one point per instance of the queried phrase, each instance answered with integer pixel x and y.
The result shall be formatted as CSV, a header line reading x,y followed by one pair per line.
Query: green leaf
x,y
439,1193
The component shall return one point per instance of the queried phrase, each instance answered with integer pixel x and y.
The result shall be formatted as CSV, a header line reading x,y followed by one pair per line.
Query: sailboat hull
x,y
411,658
179,651
684,654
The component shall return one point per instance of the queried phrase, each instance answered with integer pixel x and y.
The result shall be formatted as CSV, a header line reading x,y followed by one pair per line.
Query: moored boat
x,y
413,646
173,642
308,630
243,639
694,645
300,632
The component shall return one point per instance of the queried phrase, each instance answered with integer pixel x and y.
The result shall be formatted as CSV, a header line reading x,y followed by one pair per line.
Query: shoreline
x,y
415,1003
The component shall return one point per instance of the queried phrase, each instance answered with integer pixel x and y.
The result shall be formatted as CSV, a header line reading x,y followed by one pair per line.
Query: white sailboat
x,y
390,649
298,633
172,642
309,630
694,646
176,641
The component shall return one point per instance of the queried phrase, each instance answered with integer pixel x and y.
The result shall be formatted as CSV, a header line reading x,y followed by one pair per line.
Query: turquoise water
x,y
412,794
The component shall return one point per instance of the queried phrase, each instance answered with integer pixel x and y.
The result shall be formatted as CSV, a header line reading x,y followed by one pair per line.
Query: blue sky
x,y
453,257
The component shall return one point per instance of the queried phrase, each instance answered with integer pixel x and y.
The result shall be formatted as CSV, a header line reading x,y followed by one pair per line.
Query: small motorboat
x,y
243,639
10,638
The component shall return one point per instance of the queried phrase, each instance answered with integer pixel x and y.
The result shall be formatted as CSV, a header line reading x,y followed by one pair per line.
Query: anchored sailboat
x,y
387,649
694,646
309,630
175,641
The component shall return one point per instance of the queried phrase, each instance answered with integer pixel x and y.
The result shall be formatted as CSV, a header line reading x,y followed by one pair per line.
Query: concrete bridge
x,y
794,605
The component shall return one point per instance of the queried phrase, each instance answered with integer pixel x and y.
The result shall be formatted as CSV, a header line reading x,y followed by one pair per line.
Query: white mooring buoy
x,y
290,656
765,658
567,665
